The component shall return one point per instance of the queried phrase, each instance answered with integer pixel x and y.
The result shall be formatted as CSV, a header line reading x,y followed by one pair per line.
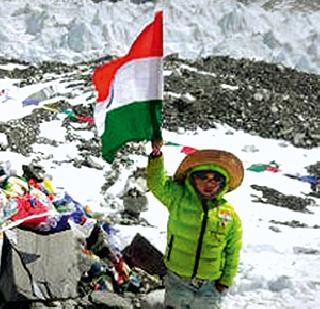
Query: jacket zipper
x,y
203,228
170,248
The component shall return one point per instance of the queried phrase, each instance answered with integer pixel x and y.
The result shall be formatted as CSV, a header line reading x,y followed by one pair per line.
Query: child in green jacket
x,y
203,232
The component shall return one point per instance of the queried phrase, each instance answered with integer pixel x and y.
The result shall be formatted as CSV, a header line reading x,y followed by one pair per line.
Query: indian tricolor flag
x,y
130,92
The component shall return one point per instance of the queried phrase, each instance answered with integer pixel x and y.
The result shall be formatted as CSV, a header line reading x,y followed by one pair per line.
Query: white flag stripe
x,y
100,116
138,80
134,82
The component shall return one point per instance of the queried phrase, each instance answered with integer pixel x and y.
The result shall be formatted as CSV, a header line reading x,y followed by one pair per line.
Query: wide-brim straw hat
x,y
223,159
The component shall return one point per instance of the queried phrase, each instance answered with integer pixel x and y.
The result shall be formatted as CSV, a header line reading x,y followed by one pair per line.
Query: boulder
x,y
153,300
134,202
39,267
142,254
110,300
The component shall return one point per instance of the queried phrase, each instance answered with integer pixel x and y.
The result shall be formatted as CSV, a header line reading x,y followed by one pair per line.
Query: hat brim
x,y
227,161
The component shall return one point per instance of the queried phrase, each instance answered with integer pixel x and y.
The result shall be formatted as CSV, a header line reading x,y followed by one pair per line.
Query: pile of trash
x,y
29,203
116,271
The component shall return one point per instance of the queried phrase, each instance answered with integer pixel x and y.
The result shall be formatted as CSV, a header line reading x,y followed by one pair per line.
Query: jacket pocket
x,y
170,244
223,261
220,237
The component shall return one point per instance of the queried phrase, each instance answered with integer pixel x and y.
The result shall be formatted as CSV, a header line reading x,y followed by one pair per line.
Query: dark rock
x,y
274,229
274,197
142,1
301,250
134,202
89,162
141,253
32,171
314,169
296,224
314,194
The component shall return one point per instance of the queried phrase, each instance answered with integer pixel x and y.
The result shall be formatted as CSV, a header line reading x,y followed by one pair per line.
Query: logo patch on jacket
x,y
225,216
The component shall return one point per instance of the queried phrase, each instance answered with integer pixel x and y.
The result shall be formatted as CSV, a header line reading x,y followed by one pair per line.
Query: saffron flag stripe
x,y
149,43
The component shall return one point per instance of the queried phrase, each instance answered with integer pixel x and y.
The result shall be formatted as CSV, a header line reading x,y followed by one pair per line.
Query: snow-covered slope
x,y
277,31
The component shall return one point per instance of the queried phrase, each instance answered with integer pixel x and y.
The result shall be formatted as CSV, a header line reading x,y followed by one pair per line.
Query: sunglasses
x,y
208,176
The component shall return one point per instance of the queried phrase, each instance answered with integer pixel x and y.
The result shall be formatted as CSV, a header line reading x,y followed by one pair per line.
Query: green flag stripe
x,y
134,122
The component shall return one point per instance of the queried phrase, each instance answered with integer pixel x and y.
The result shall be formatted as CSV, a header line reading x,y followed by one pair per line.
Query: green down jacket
x,y
200,244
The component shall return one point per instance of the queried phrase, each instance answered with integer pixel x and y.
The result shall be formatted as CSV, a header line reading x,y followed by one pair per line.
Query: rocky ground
x,y
260,98
263,99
